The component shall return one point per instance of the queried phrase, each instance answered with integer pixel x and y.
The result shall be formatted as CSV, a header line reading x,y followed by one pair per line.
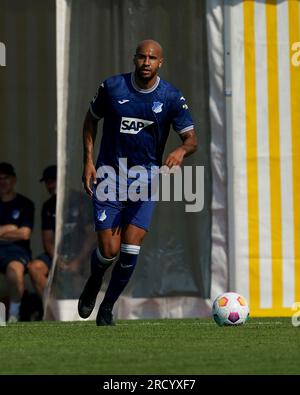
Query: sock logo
x,y
125,266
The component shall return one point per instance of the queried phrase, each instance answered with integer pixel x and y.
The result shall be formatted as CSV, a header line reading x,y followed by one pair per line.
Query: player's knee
x,y
15,268
133,239
35,267
133,235
109,251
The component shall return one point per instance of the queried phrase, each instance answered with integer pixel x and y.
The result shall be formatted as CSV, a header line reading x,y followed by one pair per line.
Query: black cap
x,y
49,173
7,168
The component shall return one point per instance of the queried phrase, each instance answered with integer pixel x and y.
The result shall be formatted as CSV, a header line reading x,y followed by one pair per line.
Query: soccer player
x,y
16,224
39,268
138,109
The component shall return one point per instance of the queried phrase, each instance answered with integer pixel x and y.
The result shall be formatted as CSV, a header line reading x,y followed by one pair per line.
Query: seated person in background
x,y
78,240
16,224
39,268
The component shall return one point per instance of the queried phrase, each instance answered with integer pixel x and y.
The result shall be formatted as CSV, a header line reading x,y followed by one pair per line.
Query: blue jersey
x,y
137,121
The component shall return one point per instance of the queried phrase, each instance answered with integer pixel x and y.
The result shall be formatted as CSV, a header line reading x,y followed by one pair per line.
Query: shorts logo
x,y
133,125
157,107
102,217
23,260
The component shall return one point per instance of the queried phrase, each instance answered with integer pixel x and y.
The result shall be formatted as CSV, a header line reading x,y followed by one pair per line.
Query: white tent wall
x,y
183,261
219,231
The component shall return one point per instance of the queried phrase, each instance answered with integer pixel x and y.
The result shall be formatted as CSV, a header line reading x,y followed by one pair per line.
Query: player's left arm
x,y
183,125
188,147
22,233
25,225
7,228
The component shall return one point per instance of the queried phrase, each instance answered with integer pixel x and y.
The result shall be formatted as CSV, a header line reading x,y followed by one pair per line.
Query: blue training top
x,y
137,121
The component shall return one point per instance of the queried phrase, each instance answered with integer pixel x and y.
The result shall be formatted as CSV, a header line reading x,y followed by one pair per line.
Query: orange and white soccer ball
x,y
230,308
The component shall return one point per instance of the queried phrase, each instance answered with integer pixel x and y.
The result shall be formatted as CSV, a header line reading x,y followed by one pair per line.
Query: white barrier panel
x,y
266,153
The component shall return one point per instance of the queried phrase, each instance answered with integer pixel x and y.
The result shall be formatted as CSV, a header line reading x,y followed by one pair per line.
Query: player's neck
x,y
7,197
145,84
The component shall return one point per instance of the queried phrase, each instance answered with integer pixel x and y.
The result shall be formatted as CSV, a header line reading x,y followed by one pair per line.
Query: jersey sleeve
x,y
182,120
97,105
27,215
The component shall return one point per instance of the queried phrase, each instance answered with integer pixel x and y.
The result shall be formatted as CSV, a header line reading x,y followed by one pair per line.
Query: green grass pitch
x,y
142,347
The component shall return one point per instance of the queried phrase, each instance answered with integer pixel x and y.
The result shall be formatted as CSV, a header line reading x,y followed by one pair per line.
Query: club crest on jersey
x,y
15,214
133,125
157,106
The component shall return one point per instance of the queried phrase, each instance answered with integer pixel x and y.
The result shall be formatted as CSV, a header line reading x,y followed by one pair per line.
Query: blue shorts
x,y
46,259
112,214
12,252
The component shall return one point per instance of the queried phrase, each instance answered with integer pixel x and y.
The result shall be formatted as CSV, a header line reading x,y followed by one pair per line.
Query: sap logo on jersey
x,y
133,125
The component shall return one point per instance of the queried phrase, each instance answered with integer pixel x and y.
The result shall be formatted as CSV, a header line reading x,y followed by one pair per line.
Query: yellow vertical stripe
x,y
295,120
274,152
251,140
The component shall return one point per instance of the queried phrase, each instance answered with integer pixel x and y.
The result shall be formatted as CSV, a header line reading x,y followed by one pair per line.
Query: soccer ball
x,y
230,308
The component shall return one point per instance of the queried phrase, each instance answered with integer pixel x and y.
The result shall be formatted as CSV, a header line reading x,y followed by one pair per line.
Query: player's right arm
x,y
95,112
89,136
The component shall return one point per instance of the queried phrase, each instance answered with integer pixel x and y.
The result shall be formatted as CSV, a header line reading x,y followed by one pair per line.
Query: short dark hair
x,y
7,168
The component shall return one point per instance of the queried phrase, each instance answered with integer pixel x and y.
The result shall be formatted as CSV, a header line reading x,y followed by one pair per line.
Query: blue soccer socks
x,y
87,299
121,273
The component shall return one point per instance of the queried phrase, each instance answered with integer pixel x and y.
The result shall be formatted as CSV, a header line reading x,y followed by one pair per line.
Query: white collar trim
x,y
137,88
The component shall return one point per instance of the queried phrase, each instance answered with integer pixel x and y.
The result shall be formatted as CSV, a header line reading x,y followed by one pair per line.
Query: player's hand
x,y
175,159
89,176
